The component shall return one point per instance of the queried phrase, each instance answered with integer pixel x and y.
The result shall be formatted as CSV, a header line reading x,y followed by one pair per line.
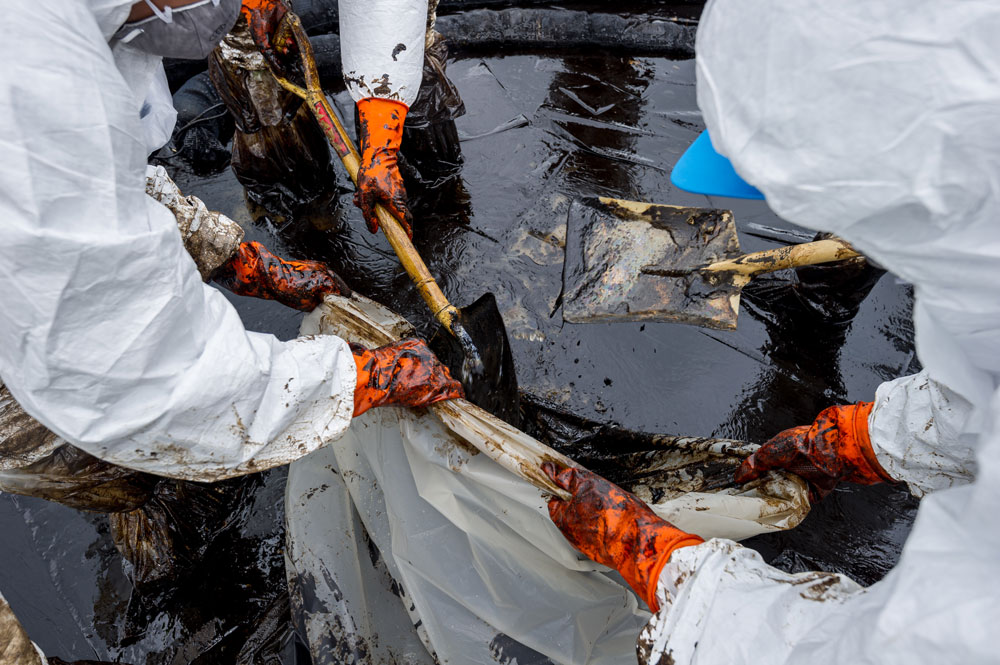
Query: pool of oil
x,y
539,130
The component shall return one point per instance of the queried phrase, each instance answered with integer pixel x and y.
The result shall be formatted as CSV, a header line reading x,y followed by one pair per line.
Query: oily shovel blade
x,y
633,261
495,387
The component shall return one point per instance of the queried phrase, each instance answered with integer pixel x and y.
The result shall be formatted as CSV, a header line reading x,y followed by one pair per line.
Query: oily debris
x,y
632,261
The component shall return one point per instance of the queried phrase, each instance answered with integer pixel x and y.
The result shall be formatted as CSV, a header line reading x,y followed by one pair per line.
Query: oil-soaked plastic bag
x,y
170,533
73,478
399,534
275,133
34,461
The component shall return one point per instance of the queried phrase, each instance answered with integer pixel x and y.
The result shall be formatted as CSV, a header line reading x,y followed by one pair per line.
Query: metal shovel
x,y
632,261
477,349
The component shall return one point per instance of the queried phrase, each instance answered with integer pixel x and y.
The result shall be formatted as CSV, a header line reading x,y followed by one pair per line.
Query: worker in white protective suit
x,y
110,338
143,365
879,122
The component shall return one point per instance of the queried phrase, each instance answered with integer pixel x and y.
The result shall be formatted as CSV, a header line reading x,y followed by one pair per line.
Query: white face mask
x,y
189,32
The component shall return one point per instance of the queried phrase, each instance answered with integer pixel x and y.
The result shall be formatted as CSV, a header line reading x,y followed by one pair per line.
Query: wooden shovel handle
x,y
415,267
806,254
342,144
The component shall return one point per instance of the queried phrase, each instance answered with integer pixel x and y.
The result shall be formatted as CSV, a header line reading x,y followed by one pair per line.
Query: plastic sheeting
x,y
399,534
474,554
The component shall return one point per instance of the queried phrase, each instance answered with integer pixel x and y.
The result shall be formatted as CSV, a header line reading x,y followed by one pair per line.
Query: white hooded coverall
x,y
109,336
879,121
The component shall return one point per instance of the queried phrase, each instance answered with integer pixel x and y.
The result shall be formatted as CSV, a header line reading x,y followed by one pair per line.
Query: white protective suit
x,y
879,121
109,336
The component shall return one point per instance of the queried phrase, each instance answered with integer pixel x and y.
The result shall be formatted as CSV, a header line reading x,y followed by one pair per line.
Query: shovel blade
x,y
495,388
611,245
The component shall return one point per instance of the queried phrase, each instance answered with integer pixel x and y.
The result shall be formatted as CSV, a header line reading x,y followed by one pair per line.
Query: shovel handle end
x,y
794,256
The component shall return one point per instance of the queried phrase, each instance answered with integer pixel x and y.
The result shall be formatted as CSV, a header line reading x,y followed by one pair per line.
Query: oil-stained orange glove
x,y
379,180
404,373
264,17
834,448
615,528
254,271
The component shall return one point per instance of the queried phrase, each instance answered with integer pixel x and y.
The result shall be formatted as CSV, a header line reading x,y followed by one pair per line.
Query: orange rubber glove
x,y
379,180
254,271
834,448
404,373
615,528
263,17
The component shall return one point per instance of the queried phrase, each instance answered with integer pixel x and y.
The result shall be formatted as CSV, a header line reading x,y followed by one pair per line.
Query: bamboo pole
x,y
446,313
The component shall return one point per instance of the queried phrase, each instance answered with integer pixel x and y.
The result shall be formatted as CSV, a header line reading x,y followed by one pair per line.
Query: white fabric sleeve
x,y
109,337
702,584
157,112
382,47
720,604
916,430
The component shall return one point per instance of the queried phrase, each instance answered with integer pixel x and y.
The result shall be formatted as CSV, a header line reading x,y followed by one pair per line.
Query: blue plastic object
x,y
704,171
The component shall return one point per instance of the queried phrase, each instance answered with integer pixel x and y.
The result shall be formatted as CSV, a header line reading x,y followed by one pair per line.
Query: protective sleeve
x,y
382,47
720,604
715,578
109,336
916,432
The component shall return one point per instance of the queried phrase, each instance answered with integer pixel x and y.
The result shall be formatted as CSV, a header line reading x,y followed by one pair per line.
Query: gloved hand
x,y
379,180
615,528
254,271
264,17
404,373
835,447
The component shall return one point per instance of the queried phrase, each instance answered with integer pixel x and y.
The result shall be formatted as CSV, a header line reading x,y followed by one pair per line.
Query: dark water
x,y
539,130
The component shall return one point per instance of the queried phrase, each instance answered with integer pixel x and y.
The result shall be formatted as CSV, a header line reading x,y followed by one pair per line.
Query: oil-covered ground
x,y
538,131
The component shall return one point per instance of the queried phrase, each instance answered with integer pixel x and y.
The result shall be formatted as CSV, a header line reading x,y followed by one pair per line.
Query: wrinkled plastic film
x,y
466,543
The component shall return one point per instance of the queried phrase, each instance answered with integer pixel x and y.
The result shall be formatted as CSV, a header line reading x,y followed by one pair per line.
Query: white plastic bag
x,y
401,508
